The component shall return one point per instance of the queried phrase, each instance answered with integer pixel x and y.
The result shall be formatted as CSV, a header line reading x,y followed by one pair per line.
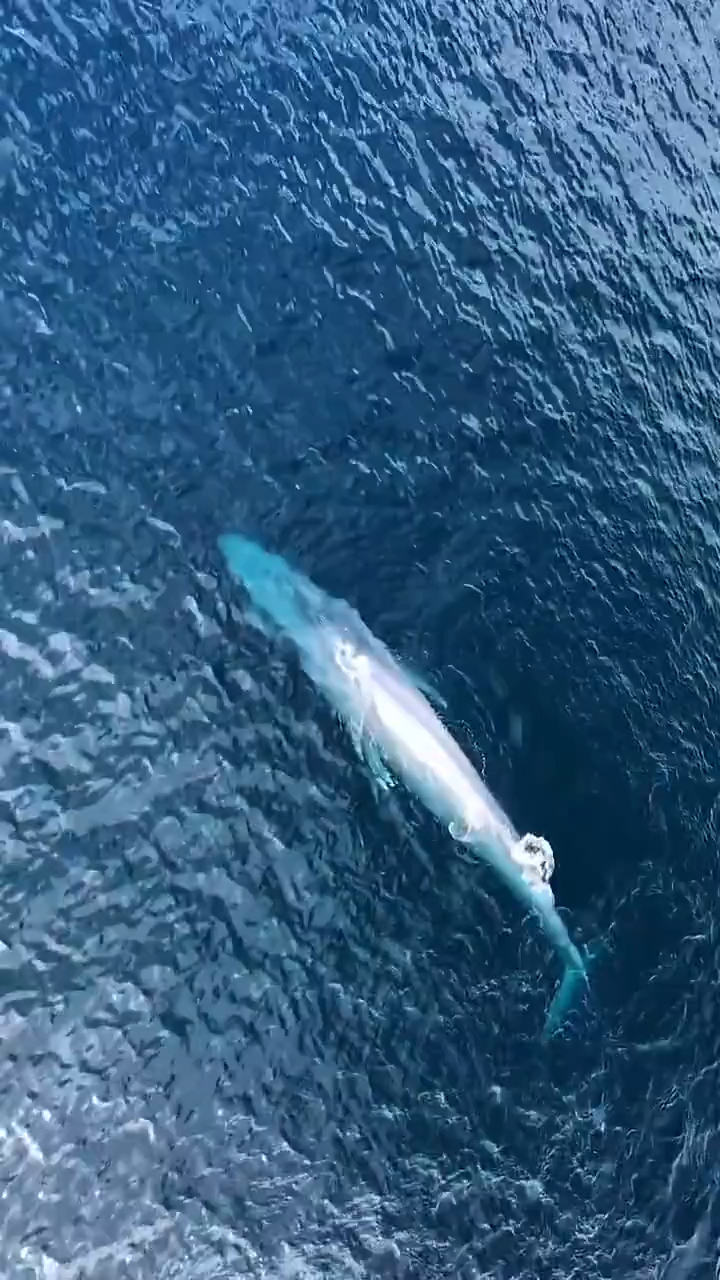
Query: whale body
x,y
397,731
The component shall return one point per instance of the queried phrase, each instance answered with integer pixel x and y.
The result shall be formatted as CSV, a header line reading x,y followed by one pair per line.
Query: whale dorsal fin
x,y
460,830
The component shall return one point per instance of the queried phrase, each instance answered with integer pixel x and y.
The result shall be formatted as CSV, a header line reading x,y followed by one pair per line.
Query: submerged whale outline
x,y
392,723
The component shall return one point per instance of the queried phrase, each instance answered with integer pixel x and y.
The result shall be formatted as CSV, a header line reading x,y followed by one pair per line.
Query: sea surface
x,y
424,296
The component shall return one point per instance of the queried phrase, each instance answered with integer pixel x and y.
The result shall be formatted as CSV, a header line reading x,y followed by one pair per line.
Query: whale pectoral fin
x,y
426,687
377,767
369,753
356,735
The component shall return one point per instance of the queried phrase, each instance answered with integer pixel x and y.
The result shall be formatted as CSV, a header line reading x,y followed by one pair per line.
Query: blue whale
x,y
397,732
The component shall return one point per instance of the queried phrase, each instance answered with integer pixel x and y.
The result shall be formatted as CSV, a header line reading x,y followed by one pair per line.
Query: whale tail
x,y
570,989
573,984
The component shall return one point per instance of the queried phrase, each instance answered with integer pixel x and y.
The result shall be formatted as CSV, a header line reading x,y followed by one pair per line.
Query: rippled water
x,y
424,296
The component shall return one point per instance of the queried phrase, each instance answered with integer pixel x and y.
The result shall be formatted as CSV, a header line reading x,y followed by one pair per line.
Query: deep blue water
x,y
424,295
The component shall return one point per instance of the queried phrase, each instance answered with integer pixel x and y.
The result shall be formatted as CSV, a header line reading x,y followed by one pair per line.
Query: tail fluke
x,y
569,993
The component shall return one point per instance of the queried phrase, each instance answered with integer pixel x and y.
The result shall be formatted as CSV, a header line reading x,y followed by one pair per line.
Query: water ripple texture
x,y
425,297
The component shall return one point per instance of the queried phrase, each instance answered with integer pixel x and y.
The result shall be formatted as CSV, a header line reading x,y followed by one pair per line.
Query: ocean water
x,y
424,296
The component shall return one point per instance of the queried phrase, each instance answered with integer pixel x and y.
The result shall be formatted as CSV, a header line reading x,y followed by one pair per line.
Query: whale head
x,y
279,594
